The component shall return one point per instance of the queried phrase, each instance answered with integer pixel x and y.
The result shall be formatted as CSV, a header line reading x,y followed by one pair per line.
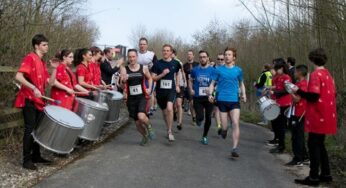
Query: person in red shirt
x,y
296,120
33,77
320,118
63,89
95,66
82,57
283,99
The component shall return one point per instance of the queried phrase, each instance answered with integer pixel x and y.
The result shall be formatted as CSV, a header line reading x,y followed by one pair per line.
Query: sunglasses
x,y
220,59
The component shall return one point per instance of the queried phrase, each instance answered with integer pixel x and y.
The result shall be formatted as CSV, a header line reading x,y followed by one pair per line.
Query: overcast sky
x,y
116,19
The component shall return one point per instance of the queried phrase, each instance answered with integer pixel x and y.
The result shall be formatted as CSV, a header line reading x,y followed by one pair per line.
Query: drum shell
x,y
93,117
114,104
55,136
268,108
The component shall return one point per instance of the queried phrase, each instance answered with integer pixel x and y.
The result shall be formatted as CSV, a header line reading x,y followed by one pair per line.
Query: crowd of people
x,y
205,89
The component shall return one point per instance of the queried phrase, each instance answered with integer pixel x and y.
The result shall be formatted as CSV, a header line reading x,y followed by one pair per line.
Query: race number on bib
x,y
166,84
203,91
136,90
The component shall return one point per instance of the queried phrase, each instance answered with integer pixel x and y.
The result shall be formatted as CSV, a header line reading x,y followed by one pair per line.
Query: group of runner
x,y
209,90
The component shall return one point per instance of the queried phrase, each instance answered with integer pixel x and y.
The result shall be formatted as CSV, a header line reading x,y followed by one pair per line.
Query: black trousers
x,y
318,156
279,127
31,118
203,109
298,138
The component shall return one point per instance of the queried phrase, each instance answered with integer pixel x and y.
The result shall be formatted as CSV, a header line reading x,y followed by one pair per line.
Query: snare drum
x,y
268,108
58,130
93,114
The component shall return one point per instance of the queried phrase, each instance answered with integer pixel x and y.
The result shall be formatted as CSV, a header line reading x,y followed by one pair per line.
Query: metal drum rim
x,y
103,108
64,124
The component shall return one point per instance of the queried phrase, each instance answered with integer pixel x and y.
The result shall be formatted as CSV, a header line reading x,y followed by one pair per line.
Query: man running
x,y
178,110
165,72
132,76
200,80
147,58
188,66
229,79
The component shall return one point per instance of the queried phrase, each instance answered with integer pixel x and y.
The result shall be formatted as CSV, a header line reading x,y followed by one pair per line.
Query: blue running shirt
x,y
228,80
202,78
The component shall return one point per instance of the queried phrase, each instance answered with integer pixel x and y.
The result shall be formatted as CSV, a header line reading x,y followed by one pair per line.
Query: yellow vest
x,y
269,76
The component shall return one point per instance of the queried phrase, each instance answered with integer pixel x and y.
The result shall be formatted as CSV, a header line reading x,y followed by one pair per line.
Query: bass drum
x,y
268,108
58,130
94,114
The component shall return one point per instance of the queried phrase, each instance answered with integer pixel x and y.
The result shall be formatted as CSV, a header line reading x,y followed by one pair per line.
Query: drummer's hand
x,y
211,99
70,91
124,77
37,92
295,89
54,64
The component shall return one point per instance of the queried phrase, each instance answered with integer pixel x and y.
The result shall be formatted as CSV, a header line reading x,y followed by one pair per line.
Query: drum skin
x,y
58,130
94,115
268,108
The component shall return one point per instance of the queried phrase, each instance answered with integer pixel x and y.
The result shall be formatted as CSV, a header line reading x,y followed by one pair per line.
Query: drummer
x,y
63,89
33,77
133,78
96,59
84,73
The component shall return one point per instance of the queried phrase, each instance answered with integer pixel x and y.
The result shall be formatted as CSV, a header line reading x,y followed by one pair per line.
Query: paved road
x,y
186,163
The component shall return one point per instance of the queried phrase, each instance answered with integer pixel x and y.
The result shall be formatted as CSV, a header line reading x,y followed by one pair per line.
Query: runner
x,y
133,77
63,89
178,110
188,66
200,80
165,72
229,80
33,77
220,62
148,58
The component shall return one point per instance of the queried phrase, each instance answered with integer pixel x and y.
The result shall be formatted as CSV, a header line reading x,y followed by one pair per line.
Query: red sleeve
x,y
60,71
303,85
26,65
80,72
287,78
314,83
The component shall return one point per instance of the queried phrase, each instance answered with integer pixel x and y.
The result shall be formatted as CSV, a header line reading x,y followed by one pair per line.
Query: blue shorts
x,y
227,106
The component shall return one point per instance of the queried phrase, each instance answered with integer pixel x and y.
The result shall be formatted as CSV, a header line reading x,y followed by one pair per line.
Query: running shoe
x,y
171,137
189,113
179,127
235,152
144,141
219,129
151,133
295,163
273,143
204,141
223,134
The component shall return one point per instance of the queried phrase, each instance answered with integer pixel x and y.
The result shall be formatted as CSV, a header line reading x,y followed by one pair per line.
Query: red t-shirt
x,y
35,71
96,70
65,76
321,115
279,83
300,107
85,71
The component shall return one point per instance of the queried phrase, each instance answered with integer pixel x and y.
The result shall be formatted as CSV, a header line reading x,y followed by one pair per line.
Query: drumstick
x,y
81,93
57,102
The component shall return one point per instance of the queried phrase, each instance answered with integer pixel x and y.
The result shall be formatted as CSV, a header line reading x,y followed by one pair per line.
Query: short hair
x,y
107,50
191,51
203,51
303,69
174,51
95,50
143,38
38,39
131,50
267,67
318,57
220,54
64,53
168,45
280,65
279,60
291,60
234,50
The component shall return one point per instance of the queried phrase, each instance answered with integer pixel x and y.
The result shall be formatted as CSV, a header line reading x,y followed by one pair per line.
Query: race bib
x,y
136,90
203,91
166,84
